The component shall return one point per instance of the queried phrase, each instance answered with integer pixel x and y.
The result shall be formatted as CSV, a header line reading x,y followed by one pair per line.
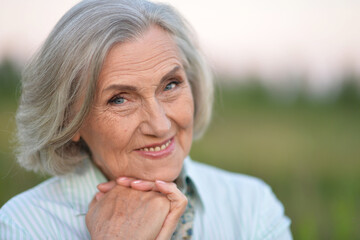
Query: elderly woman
x,y
110,105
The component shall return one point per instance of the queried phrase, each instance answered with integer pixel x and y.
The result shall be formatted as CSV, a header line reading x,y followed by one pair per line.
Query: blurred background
x,y
287,106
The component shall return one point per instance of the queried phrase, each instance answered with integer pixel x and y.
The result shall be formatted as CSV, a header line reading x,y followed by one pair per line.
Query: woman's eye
x,y
118,100
171,85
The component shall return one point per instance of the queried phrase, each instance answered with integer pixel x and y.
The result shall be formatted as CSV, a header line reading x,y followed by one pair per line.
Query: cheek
x,y
104,133
183,112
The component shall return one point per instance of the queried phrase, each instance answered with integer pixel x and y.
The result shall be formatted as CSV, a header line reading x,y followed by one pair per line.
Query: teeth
x,y
157,148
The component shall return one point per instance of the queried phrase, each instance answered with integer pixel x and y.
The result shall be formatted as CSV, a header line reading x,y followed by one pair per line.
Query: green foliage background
x,y
308,151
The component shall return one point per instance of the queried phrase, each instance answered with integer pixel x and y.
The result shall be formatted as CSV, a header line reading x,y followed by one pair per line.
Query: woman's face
x,y
141,122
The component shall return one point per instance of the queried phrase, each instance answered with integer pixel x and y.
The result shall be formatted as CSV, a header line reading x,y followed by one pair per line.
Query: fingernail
x,y
122,179
137,181
160,182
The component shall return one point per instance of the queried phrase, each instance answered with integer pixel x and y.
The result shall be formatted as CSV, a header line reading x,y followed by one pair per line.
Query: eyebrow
x,y
122,87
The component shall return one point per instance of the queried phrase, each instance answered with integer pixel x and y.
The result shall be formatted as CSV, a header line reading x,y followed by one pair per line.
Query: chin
x,y
165,175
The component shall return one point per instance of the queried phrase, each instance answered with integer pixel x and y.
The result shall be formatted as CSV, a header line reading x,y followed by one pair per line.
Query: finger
x,y
178,203
125,181
143,185
107,186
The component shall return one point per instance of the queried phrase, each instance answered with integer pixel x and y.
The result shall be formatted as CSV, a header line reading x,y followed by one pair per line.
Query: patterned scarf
x,y
184,229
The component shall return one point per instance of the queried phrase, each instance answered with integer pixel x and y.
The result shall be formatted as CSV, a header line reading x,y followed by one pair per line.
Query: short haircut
x,y
67,66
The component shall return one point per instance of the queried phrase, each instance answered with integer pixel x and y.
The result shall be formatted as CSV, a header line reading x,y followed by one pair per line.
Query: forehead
x,y
153,54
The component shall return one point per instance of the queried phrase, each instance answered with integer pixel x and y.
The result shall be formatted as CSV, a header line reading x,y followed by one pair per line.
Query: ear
x,y
76,137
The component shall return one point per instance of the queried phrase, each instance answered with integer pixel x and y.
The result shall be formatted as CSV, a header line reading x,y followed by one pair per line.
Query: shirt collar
x,y
193,176
80,186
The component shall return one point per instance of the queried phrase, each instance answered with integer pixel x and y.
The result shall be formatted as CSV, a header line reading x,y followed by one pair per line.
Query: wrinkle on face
x,y
114,132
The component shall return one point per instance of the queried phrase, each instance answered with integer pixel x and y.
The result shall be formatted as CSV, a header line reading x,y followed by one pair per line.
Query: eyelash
x,y
115,98
176,82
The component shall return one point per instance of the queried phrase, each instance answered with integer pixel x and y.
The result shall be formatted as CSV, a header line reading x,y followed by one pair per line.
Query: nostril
x,y
155,119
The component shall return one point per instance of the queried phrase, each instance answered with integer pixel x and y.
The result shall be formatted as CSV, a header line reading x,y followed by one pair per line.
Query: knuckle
x,y
184,203
183,198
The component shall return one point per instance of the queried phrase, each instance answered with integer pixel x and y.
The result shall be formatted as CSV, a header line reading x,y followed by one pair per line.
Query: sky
x,y
282,41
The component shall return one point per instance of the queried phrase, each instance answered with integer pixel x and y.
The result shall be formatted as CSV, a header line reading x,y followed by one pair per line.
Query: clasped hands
x,y
129,208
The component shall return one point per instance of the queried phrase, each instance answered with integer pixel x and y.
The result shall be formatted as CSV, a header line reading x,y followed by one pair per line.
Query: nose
x,y
155,120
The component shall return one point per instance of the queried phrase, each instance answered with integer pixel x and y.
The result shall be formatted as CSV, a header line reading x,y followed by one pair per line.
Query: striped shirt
x,y
227,206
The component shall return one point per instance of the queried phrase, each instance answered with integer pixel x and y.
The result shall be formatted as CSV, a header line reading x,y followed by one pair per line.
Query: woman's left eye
x,y
171,85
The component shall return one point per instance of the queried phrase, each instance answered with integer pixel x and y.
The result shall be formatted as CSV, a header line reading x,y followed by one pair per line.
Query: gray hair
x,y
67,66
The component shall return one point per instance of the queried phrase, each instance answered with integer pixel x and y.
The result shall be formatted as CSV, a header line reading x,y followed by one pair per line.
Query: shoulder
x,y
244,201
213,177
54,209
239,190
47,191
38,212
44,191
41,192
24,210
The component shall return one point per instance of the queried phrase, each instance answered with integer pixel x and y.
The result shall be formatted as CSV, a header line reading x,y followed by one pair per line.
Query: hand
x,y
177,200
126,213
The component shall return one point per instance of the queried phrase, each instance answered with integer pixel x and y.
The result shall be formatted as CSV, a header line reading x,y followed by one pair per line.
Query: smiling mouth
x,y
156,148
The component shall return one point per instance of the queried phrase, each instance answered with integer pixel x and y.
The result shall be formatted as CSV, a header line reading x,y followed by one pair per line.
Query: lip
x,y
159,154
156,144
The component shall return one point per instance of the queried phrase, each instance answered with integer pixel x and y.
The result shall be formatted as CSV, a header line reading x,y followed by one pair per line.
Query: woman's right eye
x,y
117,100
